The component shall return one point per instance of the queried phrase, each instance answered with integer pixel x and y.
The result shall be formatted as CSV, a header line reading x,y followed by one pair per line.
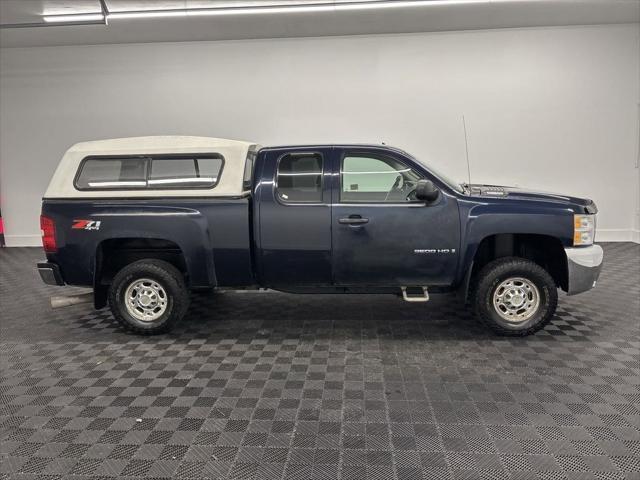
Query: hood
x,y
517,193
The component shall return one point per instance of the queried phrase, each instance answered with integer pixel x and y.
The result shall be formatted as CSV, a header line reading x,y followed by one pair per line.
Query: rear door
x,y
294,201
381,234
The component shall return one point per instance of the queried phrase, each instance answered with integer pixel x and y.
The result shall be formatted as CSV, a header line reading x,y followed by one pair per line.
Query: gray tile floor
x,y
269,385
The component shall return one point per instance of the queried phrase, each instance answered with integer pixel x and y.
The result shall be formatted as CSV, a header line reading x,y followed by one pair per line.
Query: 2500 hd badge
x,y
192,213
434,250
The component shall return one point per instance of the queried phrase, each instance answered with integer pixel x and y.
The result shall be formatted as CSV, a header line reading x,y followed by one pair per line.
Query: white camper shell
x,y
233,153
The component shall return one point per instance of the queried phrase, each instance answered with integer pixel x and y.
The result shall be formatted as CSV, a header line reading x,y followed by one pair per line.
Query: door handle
x,y
353,220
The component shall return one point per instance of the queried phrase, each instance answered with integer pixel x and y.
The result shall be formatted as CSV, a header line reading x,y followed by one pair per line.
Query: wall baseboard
x,y
617,235
23,240
603,235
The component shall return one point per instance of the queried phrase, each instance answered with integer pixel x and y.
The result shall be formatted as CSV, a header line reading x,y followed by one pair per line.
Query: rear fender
x,y
185,227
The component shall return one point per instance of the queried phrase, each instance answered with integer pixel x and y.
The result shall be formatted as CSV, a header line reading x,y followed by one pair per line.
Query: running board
x,y
415,298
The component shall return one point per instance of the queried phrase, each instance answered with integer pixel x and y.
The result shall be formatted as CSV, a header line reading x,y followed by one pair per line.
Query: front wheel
x,y
514,296
148,296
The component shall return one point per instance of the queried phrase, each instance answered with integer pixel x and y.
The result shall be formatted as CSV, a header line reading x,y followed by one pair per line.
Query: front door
x,y
381,234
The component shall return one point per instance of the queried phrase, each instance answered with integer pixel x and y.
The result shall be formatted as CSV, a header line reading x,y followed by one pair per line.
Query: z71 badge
x,y
86,225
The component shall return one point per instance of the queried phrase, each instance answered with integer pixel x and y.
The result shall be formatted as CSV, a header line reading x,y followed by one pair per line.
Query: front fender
x,y
480,221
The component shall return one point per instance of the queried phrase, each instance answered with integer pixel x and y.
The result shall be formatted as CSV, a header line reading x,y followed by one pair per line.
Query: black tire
x,y
171,281
491,277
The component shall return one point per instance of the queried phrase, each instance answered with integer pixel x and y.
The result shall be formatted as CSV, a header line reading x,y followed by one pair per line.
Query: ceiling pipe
x,y
80,19
105,11
57,24
290,8
105,14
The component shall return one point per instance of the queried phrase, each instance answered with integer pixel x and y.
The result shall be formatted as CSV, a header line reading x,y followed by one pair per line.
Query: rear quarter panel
x,y
213,234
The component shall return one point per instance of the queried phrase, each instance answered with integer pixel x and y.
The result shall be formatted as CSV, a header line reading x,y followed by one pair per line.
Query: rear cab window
x,y
299,178
150,172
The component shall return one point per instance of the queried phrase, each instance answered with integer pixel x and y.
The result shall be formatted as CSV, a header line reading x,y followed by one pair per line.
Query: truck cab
x,y
347,218
143,221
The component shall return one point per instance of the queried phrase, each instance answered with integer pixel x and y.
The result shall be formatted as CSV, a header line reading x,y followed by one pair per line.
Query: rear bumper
x,y
584,265
50,273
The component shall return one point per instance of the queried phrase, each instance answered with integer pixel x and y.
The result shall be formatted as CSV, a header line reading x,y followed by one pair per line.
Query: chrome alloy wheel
x,y
145,299
516,299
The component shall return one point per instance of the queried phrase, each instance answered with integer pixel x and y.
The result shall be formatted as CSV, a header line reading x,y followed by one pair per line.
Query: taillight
x,y
48,229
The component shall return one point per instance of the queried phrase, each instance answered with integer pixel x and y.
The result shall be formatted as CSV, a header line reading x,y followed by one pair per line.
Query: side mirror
x,y
427,191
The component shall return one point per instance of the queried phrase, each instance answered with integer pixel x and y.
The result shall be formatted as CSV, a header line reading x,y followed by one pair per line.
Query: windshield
x,y
457,186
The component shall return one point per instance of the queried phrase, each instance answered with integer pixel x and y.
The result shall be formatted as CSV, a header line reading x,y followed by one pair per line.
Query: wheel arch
x,y
545,250
113,254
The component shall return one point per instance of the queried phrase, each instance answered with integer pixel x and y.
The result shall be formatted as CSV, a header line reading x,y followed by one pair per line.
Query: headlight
x,y
584,229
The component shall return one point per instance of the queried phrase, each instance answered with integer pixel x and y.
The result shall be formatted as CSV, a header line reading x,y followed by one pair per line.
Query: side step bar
x,y
413,297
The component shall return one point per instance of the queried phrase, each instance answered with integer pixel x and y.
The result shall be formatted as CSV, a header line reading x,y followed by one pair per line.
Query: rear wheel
x,y
148,296
514,296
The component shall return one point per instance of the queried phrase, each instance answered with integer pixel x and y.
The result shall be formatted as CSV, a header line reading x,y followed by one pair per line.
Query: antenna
x,y
466,148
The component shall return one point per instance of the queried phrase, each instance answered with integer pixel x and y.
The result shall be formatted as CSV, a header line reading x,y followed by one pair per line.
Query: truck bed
x,y
213,234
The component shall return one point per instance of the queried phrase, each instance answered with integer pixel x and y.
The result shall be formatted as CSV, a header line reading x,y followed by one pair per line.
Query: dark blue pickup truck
x,y
142,221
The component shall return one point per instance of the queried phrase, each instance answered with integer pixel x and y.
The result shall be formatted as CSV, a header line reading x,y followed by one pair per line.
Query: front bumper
x,y
50,273
584,265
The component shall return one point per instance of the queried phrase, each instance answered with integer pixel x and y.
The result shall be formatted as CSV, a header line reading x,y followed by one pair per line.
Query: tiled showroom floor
x,y
269,385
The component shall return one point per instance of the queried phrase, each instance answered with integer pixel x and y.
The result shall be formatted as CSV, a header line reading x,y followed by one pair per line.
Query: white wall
x,y
548,108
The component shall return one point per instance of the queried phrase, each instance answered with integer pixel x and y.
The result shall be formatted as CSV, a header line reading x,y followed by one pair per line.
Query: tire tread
x,y
484,280
163,270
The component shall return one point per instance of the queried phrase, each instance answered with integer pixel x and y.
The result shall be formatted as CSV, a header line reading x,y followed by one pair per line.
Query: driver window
x,y
369,179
